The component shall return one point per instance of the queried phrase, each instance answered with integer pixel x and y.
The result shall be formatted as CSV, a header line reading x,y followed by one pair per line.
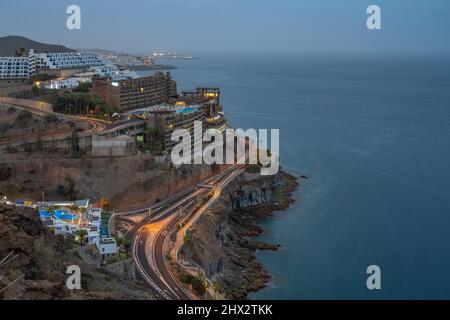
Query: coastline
x,y
282,199
158,67
224,244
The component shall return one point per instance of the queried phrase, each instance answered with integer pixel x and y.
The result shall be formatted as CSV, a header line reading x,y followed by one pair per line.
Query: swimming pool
x,y
44,214
58,214
186,110
64,215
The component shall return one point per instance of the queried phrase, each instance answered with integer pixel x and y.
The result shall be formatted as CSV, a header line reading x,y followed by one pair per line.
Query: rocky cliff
x,y
222,242
42,260
128,182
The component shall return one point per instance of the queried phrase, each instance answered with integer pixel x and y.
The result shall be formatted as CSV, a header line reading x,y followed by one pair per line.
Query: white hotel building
x,y
18,67
68,60
25,67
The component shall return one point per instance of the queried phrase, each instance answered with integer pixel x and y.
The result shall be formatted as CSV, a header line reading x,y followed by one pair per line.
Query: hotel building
x,y
208,98
168,118
68,60
27,66
18,67
136,93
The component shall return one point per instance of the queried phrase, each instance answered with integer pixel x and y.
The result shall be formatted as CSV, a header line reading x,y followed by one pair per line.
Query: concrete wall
x,y
8,87
47,144
60,73
34,104
120,146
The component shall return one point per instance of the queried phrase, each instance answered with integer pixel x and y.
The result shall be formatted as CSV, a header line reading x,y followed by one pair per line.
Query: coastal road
x,y
96,126
167,215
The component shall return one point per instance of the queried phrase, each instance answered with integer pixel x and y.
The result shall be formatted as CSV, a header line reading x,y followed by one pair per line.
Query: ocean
x,y
373,135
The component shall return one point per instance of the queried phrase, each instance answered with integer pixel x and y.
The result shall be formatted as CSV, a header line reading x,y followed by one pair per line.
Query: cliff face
x,y
253,191
43,260
222,244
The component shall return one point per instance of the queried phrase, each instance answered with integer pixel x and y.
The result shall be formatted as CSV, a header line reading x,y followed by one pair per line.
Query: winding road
x,y
96,125
148,250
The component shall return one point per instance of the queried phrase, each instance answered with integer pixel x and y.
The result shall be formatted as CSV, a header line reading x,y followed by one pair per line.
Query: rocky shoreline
x,y
223,243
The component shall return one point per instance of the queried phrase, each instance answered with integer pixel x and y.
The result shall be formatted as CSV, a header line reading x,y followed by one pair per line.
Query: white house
x,y
79,203
96,212
96,224
68,83
63,228
107,247
93,235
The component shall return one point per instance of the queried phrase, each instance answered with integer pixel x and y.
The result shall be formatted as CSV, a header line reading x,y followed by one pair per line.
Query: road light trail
x,y
154,269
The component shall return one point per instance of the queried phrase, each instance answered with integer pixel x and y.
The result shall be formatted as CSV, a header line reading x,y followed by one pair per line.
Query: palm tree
x,y
82,233
22,52
96,100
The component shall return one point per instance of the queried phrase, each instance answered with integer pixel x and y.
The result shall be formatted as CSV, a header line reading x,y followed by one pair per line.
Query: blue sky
x,y
195,26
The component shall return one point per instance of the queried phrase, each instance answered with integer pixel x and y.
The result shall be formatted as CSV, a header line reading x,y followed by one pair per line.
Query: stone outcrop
x,y
5,172
250,194
222,241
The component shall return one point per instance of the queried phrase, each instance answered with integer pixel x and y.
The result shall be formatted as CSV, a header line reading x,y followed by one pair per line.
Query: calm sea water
x,y
374,136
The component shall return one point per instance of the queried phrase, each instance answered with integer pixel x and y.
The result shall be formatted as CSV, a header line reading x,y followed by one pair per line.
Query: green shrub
x,y
50,118
186,278
68,190
83,87
11,110
24,117
187,237
198,286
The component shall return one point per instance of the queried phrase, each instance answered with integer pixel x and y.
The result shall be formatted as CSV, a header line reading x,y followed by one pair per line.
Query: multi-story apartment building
x,y
136,93
18,67
68,60
167,118
27,66
208,98
202,94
